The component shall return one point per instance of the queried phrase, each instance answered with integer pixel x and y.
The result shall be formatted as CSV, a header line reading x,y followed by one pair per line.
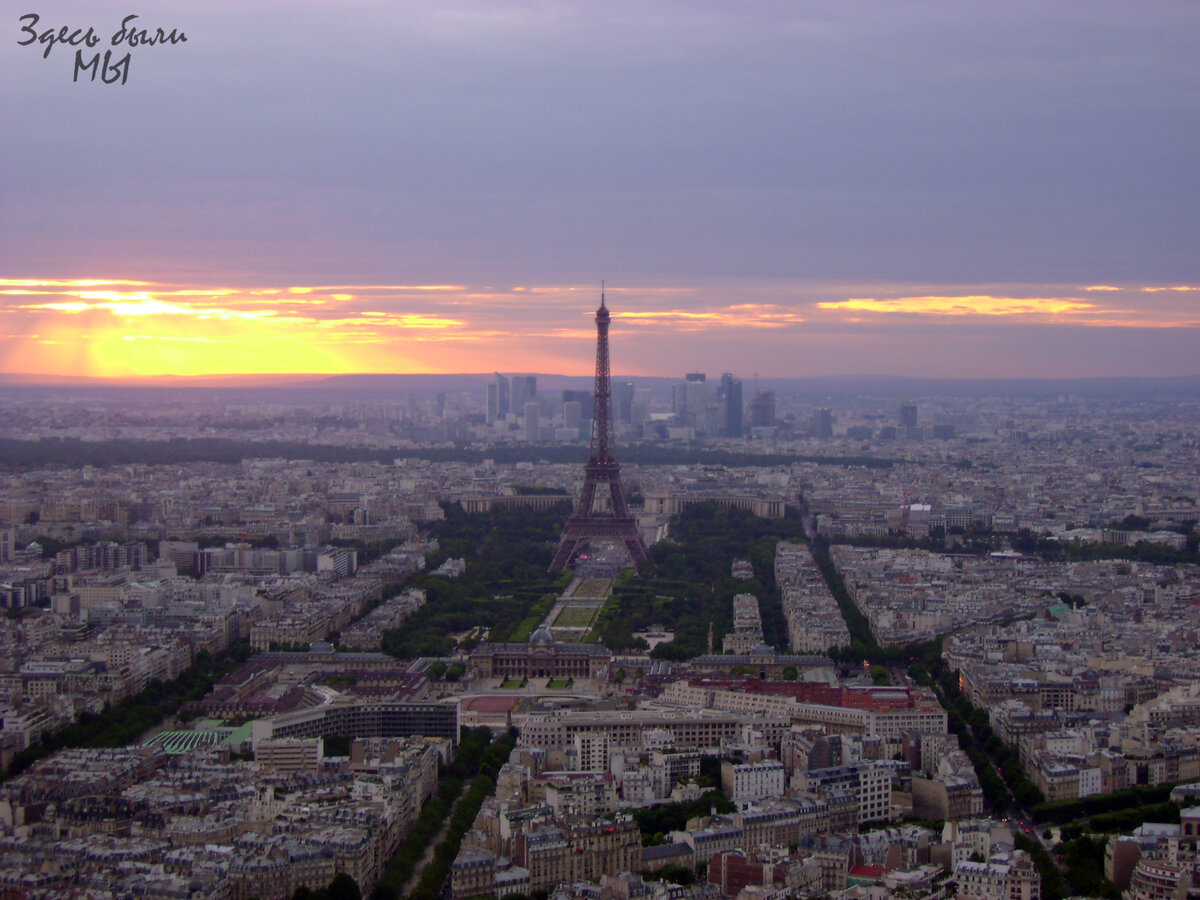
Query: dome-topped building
x,y
542,657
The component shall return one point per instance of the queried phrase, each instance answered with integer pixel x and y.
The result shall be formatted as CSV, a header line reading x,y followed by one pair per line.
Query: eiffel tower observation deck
x,y
593,519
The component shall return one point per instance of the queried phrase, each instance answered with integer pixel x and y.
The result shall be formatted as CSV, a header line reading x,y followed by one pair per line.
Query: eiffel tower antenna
x,y
588,523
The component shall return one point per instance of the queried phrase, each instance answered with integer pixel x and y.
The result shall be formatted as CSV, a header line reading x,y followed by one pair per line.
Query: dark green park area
x,y
686,586
507,552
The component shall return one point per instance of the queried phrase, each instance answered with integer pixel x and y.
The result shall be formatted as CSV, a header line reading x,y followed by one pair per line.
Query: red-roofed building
x,y
864,874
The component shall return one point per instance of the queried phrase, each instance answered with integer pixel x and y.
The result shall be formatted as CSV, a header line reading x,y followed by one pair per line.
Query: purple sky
x,y
795,188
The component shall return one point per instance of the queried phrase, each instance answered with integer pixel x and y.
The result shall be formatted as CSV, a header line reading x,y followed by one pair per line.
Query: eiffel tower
x,y
588,523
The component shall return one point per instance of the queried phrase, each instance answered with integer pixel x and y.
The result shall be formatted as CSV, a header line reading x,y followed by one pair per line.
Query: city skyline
x,y
793,190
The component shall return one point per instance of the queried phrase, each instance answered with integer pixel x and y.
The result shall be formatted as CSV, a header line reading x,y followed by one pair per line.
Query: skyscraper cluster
x,y
696,406
514,404
699,407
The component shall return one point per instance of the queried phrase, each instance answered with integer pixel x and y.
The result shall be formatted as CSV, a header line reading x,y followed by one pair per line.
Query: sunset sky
x,y
789,188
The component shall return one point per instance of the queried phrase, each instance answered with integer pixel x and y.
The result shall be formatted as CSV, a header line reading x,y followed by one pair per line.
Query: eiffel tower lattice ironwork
x,y
588,523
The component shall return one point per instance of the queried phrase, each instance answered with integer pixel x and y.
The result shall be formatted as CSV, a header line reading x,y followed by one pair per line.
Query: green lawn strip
x,y
575,616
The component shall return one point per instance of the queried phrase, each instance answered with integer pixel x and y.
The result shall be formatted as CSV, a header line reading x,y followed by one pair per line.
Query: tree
x,y
343,887
681,875
337,744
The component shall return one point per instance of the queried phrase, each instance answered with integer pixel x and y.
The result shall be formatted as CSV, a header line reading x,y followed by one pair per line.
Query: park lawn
x,y
592,588
575,616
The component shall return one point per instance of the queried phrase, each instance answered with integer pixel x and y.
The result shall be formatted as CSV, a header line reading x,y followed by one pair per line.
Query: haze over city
x,y
927,189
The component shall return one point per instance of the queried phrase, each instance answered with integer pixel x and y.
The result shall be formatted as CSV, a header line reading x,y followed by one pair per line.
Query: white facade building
x,y
752,781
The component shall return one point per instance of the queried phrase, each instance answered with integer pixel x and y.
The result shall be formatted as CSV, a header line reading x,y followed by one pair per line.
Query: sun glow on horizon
x,y
103,327
113,328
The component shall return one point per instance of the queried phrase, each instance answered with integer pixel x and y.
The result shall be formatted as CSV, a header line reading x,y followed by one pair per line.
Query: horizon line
x,y
275,378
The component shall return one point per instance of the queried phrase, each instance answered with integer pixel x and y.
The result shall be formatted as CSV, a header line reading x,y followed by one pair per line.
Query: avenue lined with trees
x,y
463,786
126,722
